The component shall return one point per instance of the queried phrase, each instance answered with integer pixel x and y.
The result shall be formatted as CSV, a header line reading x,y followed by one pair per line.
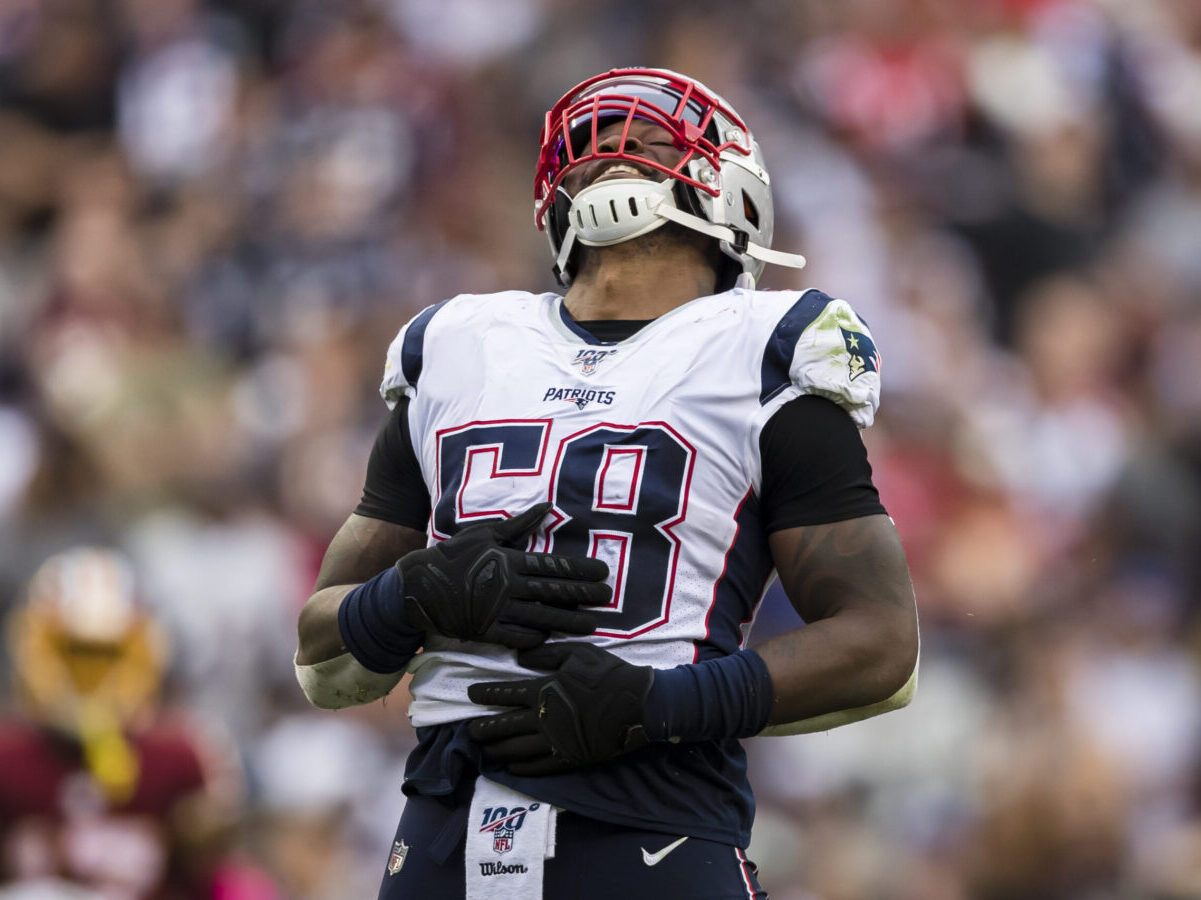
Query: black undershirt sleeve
x,y
815,468
394,489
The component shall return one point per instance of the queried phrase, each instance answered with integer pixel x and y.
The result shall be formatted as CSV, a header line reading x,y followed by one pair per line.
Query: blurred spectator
x,y
214,215
322,786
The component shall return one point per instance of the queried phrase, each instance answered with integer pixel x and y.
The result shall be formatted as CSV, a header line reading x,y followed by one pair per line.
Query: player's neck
x,y
625,282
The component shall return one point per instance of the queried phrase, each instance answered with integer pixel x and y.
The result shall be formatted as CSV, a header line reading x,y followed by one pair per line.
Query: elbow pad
x,y
343,681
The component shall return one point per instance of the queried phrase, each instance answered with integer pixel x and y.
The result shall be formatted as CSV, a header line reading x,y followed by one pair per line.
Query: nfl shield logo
x,y
589,359
502,840
399,851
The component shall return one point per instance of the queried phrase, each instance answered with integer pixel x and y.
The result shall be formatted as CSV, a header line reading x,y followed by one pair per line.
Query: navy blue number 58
x,y
618,493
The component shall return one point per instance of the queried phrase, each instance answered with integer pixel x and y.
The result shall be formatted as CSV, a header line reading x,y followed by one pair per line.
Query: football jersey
x,y
648,449
55,823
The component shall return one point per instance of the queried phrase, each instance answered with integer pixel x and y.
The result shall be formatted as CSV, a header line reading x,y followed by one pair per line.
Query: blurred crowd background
x,y
215,215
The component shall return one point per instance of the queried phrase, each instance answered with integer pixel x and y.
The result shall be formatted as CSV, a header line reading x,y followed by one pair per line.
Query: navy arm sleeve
x,y
395,489
815,467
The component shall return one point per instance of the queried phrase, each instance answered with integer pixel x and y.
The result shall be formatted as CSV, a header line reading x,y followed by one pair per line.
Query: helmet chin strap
x,y
725,233
564,253
620,209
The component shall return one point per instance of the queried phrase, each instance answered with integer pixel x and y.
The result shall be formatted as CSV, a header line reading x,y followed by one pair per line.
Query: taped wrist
x,y
729,697
343,681
374,626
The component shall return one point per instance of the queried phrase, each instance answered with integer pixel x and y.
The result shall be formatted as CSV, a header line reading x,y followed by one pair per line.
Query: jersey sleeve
x,y
821,347
394,489
406,356
815,467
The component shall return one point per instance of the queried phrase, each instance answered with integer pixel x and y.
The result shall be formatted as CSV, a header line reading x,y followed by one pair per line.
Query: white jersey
x,y
648,448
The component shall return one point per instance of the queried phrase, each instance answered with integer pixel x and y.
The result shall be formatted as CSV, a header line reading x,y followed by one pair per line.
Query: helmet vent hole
x,y
579,218
595,221
633,207
749,210
613,210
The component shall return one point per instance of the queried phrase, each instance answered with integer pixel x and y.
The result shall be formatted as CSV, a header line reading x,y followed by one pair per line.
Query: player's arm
x,y
355,639
857,652
380,590
362,548
844,570
855,657
330,675
389,522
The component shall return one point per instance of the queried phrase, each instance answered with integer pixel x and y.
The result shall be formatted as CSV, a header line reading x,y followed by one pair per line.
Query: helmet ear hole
x,y
749,210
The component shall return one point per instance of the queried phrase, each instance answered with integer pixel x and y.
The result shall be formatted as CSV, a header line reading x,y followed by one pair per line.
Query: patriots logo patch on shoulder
x,y
862,353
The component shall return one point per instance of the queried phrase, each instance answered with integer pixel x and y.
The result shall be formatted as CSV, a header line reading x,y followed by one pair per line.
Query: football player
x,y
97,789
576,507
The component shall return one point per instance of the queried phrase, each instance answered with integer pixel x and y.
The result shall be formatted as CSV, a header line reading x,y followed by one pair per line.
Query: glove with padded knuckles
x,y
479,586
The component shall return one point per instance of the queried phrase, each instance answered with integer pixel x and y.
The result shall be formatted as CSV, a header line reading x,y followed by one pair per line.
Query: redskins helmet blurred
x,y
720,186
87,657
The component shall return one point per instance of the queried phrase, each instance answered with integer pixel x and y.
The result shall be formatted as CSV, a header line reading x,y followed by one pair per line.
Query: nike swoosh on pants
x,y
652,859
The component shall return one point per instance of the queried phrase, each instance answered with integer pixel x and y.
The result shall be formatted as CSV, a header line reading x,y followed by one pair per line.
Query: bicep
x,y
853,564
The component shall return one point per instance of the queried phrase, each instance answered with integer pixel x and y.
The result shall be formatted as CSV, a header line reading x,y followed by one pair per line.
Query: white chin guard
x,y
618,209
613,211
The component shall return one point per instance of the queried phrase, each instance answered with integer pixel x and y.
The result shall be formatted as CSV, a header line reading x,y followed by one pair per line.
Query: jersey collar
x,y
570,328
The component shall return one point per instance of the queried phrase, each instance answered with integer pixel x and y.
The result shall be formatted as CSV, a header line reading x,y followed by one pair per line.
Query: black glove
x,y
588,711
477,586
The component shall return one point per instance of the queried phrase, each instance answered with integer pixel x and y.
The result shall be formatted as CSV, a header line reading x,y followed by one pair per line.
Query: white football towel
x,y
509,836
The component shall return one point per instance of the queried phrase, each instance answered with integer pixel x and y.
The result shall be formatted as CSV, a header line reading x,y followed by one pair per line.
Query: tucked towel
x,y
509,836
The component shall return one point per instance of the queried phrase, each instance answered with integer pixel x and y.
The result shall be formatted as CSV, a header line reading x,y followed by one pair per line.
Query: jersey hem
x,y
739,838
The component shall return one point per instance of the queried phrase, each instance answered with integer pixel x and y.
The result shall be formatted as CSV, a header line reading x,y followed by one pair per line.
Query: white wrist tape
x,y
342,681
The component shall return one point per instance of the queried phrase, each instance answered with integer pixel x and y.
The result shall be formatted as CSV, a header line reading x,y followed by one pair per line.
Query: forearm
x,y
838,718
354,648
852,660
368,620
361,550
850,582
815,678
319,637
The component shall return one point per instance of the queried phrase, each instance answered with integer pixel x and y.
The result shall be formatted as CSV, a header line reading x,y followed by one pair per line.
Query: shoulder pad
x,y
821,347
460,319
406,354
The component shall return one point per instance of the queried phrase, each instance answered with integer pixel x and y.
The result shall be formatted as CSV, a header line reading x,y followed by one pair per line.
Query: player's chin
x,y
667,237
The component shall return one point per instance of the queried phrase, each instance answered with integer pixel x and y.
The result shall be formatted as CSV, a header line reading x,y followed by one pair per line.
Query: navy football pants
x,y
593,861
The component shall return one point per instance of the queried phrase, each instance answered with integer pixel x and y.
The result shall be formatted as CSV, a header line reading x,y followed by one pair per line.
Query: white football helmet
x,y
719,187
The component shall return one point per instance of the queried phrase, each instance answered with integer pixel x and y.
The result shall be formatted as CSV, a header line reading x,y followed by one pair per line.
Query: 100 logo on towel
x,y
504,824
